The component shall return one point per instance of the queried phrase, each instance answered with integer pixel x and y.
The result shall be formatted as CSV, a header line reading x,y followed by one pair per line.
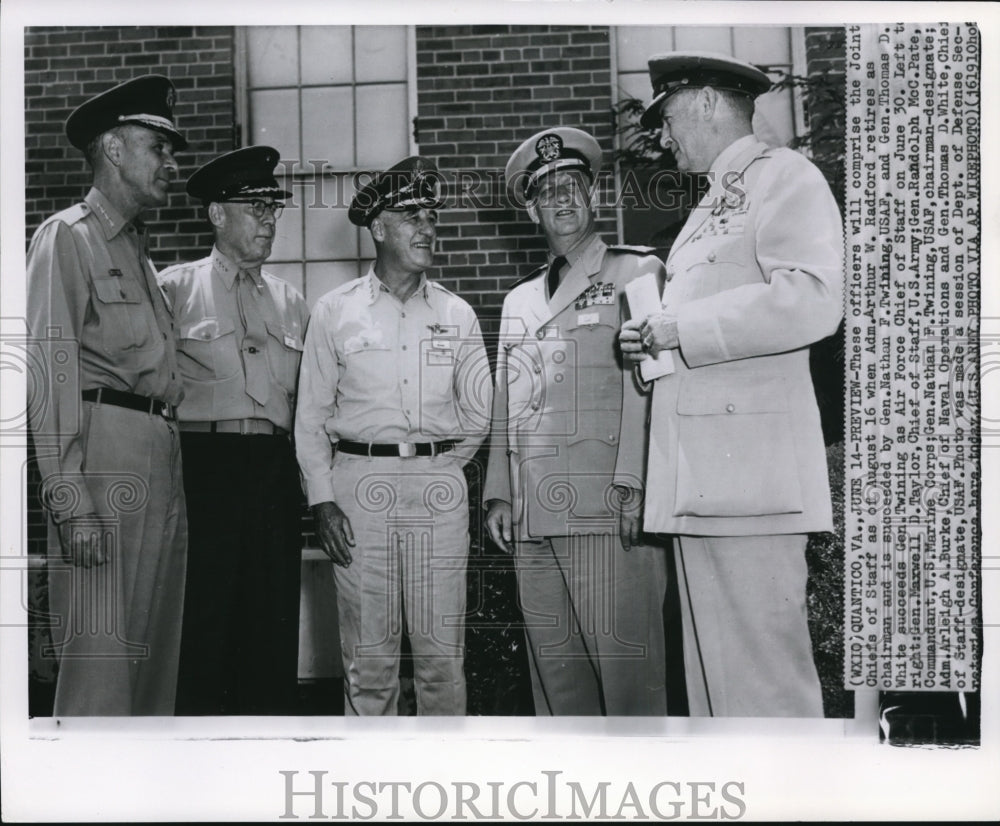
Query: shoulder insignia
x,y
632,249
72,214
531,275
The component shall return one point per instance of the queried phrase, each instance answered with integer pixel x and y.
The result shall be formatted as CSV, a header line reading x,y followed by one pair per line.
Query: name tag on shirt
x,y
290,341
588,318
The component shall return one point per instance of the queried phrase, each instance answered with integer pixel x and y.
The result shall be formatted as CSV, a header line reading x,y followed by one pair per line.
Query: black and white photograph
x,y
601,392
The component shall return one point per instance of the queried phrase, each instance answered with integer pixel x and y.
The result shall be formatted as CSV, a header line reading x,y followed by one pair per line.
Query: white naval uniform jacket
x,y
735,445
558,406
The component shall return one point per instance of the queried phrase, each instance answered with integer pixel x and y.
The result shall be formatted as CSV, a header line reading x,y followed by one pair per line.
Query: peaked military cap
x,y
548,151
413,182
669,73
244,173
144,101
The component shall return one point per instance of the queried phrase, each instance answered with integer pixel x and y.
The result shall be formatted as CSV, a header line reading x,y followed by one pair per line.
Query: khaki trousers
x,y
411,524
593,616
747,651
117,626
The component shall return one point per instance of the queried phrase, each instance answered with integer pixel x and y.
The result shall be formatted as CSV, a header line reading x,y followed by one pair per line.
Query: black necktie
x,y
552,279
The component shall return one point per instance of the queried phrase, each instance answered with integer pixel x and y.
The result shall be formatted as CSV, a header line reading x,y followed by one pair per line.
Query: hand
x,y
335,532
499,524
630,340
659,332
80,539
629,503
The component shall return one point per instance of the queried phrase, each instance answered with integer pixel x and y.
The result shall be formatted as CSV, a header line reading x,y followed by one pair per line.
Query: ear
x,y
532,207
707,101
377,230
217,214
112,145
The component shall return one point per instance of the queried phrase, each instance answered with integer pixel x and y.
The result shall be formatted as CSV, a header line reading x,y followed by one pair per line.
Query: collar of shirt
x,y
111,219
727,155
375,286
578,252
228,270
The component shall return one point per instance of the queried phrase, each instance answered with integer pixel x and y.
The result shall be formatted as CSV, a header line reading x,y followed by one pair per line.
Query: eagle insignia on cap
x,y
549,147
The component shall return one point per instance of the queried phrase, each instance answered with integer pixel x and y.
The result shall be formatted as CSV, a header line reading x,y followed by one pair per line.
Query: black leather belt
x,y
403,450
119,398
244,427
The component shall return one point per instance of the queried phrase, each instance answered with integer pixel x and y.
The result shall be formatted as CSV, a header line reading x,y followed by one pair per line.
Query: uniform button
x,y
540,335
406,381
252,351
404,346
538,369
122,293
173,375
730,408
611,437
711,257
366,344
534,405
402,315
164,336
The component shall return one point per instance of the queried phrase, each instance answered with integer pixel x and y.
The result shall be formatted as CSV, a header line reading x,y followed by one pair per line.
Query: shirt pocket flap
x,y
290,337
117,290
207,329
363,344
704,399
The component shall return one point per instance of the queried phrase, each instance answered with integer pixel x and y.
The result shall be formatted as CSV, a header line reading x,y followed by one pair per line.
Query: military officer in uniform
x,y
108,449
736,463
590,592
239,342
394,398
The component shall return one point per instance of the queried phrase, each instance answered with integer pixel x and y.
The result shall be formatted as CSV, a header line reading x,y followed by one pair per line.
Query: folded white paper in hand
x,y
643,295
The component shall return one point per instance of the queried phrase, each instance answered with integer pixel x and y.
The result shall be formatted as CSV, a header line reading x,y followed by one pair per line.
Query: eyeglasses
x,y
259,207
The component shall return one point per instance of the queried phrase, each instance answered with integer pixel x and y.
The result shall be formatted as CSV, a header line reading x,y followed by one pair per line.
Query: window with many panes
x,y
335,101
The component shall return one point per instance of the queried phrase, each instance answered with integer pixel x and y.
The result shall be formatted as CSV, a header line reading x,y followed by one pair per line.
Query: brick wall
x,y
63,67
481,91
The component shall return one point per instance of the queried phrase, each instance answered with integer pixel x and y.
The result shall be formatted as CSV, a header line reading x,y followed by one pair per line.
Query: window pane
x,y
272,56
323,276
379,53
636,44
292,273
762,44
274,121
704,38
288,233
635,86
772,121
326,54
327,131
328,232
382,125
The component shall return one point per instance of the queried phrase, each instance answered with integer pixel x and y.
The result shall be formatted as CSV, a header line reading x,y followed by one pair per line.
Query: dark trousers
x,y
239,646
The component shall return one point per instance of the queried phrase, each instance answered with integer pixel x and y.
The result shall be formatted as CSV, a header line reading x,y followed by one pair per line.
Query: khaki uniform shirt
x,y
94,306
203,295
377,370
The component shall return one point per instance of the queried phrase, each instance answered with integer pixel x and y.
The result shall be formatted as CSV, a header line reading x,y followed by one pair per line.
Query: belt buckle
x,y
407,450
164,410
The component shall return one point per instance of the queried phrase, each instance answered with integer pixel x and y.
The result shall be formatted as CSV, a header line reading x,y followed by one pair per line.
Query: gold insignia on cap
x,y
171,97
549,147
